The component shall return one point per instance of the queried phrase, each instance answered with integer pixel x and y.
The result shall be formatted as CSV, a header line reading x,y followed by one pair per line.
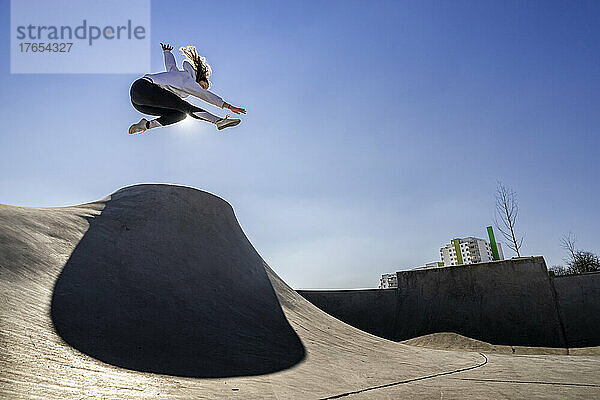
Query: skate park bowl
x,y
511,304
155,292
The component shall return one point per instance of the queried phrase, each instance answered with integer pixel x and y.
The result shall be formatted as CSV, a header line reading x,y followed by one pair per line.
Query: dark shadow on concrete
x,y
507,302
165,281
370,310
511,302
578,302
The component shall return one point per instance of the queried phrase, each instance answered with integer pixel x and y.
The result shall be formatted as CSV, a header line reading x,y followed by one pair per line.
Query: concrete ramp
x,y
165,281
155,292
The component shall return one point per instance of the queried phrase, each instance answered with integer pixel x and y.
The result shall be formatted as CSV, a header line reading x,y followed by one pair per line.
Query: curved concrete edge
x,y
510,306
341,360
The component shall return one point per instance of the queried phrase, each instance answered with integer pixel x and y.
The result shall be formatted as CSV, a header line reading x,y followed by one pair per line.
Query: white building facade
x,y
388,281
469,250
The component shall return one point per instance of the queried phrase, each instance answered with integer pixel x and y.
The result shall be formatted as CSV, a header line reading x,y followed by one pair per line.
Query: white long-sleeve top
x,y
182,83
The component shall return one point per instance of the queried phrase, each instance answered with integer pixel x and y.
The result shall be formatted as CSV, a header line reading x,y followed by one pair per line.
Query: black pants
x,y
151,99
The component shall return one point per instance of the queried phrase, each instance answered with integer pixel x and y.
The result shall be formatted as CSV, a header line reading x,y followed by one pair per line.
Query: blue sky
x,y
375,133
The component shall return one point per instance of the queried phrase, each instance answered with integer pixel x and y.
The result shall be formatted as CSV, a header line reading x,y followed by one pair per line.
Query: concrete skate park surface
x,y
155,292
509,306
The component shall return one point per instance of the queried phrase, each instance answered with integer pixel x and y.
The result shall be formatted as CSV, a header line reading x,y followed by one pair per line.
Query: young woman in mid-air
x,y
162,94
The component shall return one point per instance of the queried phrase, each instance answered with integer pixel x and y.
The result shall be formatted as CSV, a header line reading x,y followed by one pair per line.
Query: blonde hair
x,y
202,68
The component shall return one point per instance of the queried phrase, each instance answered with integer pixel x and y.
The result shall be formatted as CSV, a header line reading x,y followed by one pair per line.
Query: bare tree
x,y
507,210
558,270
568,243
579,261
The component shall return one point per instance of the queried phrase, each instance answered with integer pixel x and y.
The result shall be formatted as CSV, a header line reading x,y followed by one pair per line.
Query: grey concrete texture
x,y
143,290
371,310
39,247
579,307
507,302
510,307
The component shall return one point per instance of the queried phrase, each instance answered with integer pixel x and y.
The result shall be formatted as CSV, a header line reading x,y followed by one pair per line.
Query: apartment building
x,y
469,250
388,281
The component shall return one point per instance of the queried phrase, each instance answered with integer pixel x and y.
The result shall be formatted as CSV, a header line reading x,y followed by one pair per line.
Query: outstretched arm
x,y
237,110
170,64
193,88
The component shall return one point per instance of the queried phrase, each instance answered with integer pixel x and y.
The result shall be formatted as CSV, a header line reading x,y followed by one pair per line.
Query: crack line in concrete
x,y
411,380
529,382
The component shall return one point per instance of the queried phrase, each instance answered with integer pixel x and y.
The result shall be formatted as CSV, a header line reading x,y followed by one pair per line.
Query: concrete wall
x,y
579,307
372,310
507,302
511,302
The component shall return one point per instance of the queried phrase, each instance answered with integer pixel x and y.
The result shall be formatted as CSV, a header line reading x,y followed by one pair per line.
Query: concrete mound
x,y
155,292
165,281
454,341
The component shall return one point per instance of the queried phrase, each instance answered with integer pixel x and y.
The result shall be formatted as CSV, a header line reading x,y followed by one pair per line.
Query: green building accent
x,y
459,259
440,263
493,245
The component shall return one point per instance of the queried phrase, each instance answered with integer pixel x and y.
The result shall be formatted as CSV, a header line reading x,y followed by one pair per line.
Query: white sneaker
x,y
227,122
140,127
